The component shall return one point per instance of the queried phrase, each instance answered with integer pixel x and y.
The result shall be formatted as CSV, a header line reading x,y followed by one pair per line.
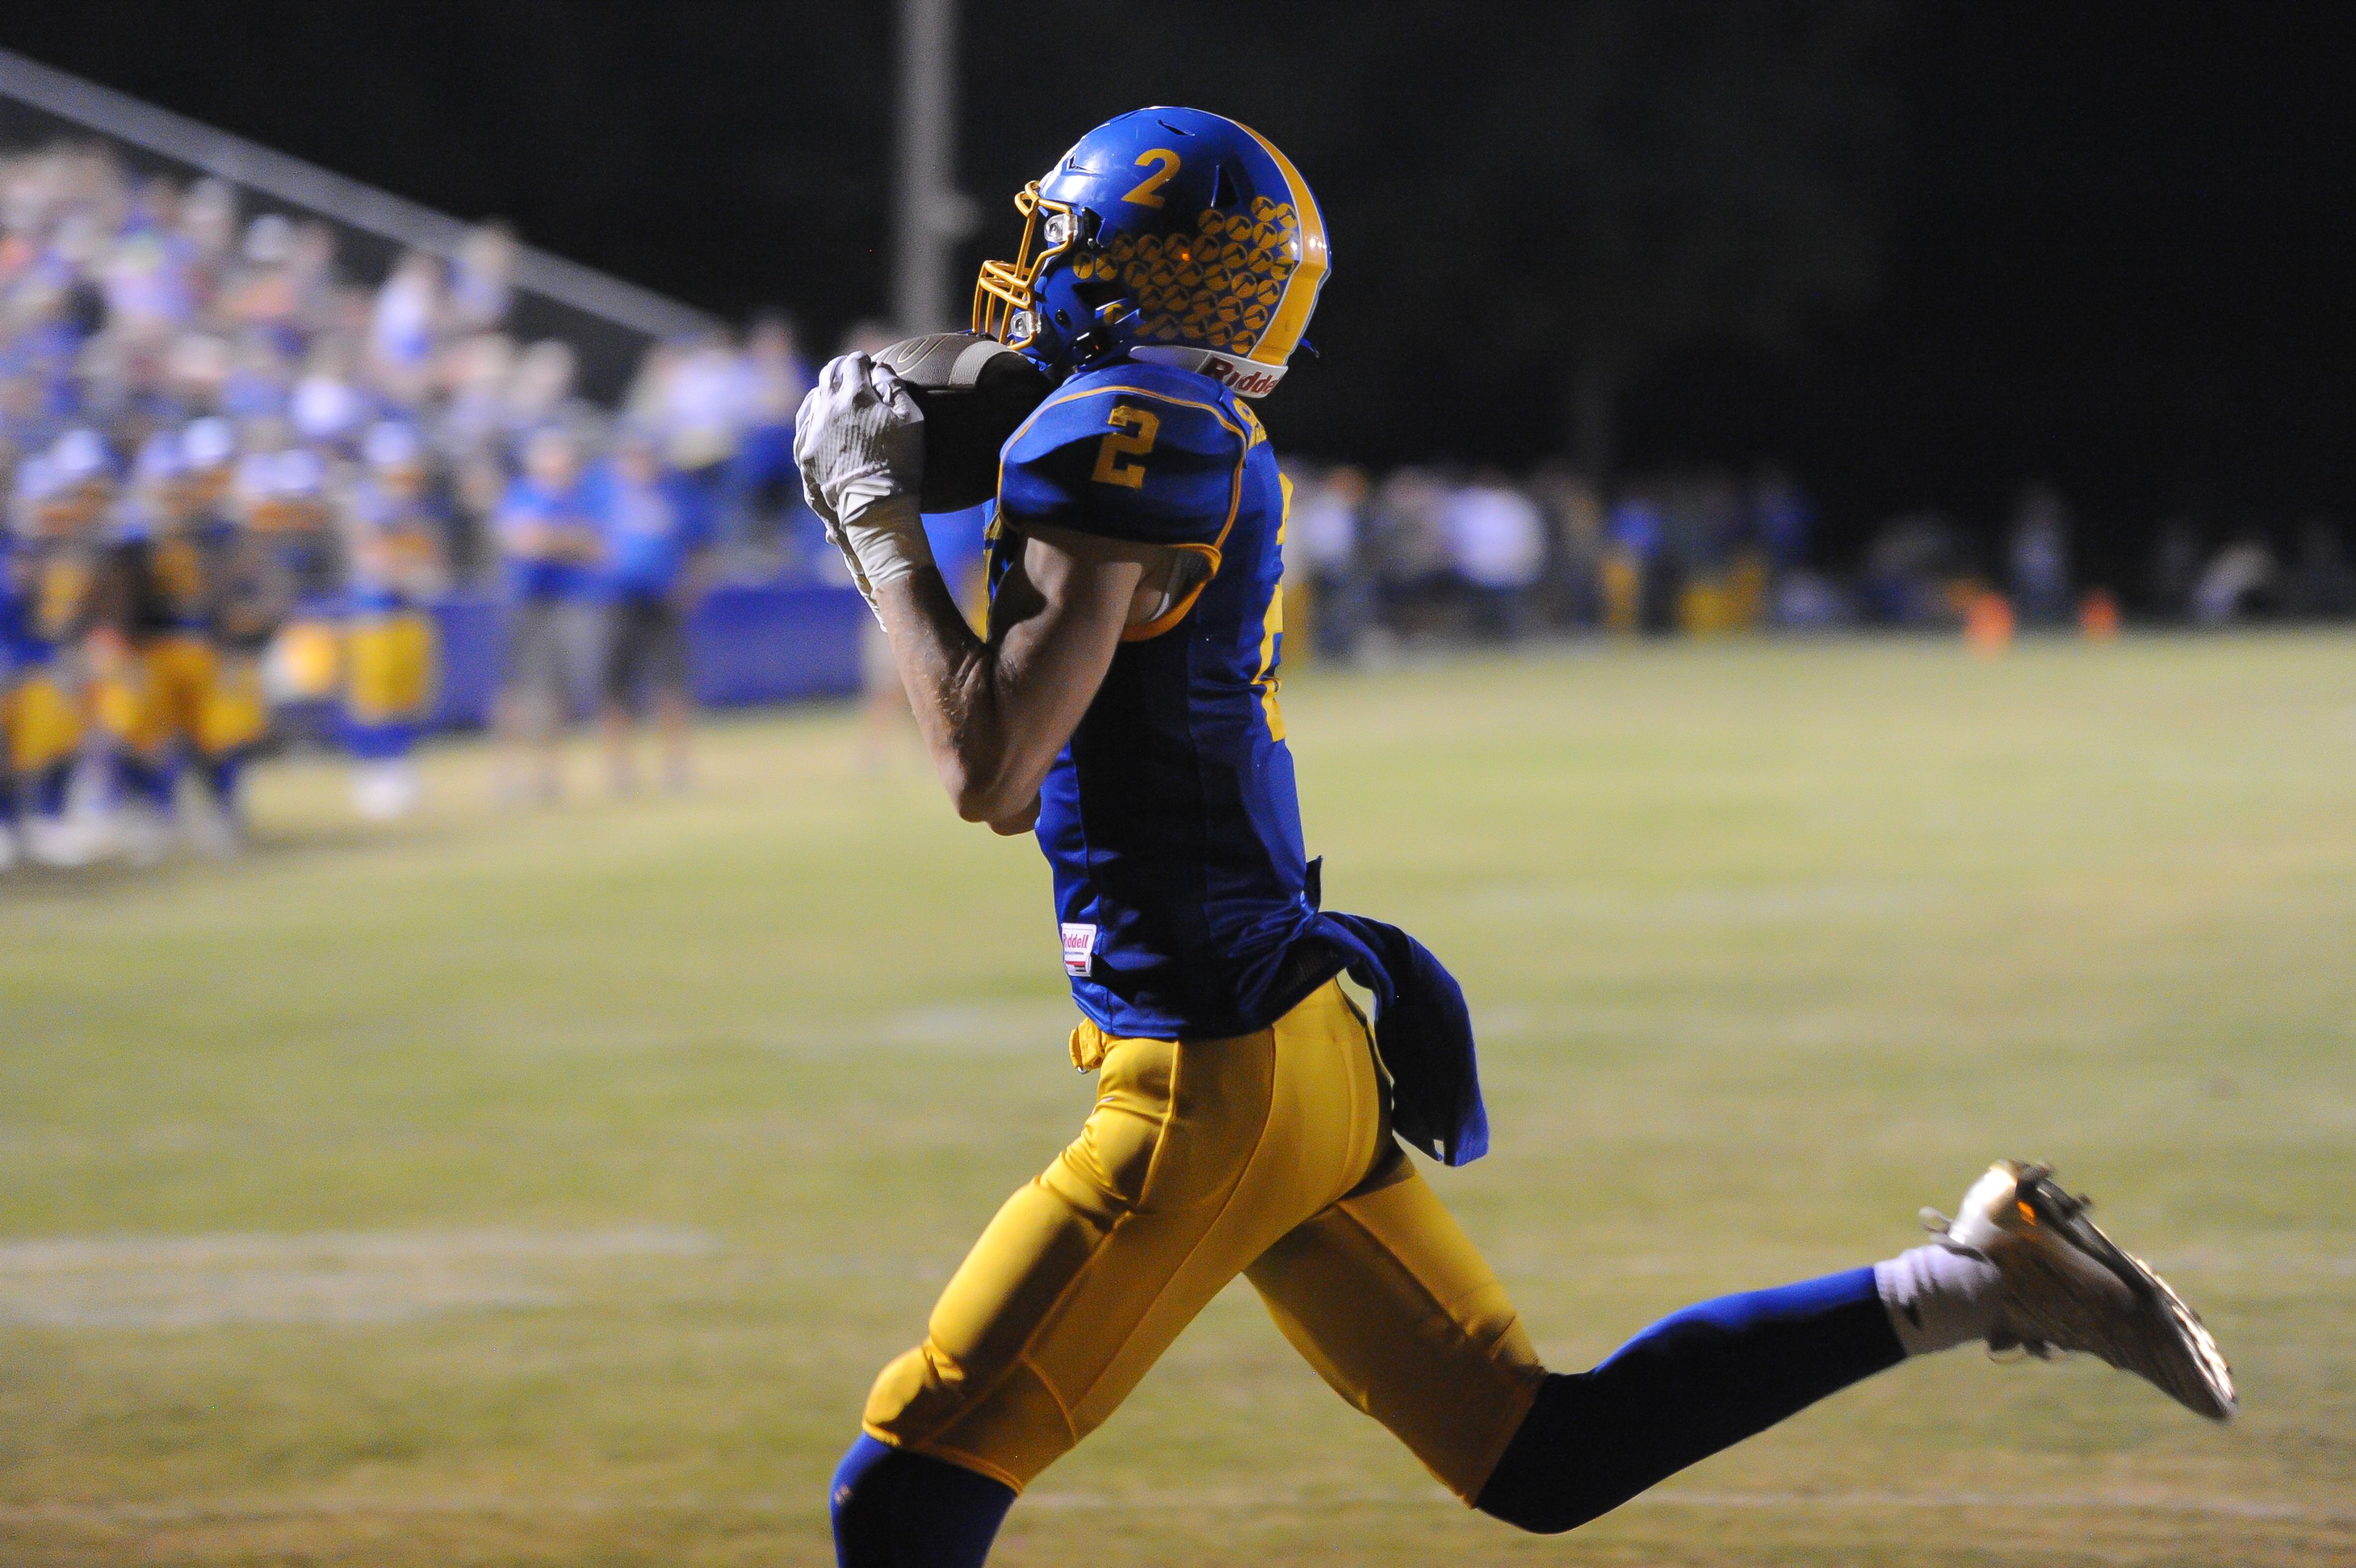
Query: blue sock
x,y
10,802
382,742
897,1509
221,775
143,780
50,788
1696,1382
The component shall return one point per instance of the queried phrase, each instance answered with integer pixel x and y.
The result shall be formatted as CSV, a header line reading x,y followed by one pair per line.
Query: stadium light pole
x,y
933,215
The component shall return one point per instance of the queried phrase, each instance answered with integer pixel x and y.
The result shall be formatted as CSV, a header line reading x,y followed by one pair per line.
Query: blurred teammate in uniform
x,y
53,565
394,537
281,501
169,699
11,636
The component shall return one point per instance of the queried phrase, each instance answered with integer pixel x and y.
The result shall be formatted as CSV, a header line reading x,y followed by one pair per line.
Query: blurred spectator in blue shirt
x,y
1323,535
551,542
2039,558
1632,564
1781,516
764,493
654,532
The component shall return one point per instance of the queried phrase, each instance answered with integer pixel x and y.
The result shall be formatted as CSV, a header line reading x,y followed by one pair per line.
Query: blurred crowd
x,y
1426,552
239,478
1434,552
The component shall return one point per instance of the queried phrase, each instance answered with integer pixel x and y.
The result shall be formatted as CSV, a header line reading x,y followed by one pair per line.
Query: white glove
x,y
859,440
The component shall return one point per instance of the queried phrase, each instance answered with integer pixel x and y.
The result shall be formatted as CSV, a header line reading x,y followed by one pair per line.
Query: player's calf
x,y
2021,1266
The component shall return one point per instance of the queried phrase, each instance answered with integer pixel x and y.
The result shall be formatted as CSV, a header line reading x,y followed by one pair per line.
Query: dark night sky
x,y
2116,237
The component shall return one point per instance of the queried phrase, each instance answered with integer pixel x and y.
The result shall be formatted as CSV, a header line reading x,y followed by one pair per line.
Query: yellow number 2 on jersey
x,y
1134,438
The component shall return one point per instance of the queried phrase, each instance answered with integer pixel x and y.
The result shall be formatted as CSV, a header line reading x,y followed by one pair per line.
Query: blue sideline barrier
x,y
747,644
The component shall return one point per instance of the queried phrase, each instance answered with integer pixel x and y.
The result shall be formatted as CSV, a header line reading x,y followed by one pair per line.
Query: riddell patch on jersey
x,y
1079,949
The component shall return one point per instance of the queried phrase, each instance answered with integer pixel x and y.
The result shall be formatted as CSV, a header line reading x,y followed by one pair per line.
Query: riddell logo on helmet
x,y
1244,379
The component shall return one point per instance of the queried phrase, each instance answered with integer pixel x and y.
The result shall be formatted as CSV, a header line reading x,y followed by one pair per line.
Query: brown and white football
x,y
974,391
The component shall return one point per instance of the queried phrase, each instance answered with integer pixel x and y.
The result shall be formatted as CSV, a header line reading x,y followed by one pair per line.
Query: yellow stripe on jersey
x,y
1272,626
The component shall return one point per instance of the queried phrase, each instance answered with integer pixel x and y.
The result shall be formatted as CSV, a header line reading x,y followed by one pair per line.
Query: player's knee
x,y
892,1509
1541,1509
1557,1473
1003,1412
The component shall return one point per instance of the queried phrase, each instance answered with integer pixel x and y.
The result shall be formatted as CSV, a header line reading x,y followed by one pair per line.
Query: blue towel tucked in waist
x,y
1424,1033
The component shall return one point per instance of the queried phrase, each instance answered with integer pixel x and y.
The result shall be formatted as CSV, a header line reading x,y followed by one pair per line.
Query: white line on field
x,y
240,1249
225,1511
353,1279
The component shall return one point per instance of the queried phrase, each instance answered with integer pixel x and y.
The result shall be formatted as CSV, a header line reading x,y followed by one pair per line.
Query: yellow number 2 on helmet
x,y
1147,193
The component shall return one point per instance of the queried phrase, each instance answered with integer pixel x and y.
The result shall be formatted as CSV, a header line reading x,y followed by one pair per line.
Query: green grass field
x,y
545,1188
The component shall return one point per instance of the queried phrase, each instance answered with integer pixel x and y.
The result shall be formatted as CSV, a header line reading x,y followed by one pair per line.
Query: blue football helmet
x,y
1170,235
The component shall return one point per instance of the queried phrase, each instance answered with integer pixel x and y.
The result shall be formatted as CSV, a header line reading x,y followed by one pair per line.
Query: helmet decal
x,y
1217,287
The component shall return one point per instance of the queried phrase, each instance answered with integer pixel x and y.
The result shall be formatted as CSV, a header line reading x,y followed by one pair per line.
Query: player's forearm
x,y
957,692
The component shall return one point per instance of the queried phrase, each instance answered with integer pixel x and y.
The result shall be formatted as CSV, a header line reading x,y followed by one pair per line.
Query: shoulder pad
x,y
1135,452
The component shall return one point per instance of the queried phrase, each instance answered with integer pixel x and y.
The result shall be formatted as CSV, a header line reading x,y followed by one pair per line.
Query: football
x,y
974,390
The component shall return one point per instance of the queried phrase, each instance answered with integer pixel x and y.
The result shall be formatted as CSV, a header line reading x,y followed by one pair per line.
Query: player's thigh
x,y
45,727
390,668
1199,1156
182,671
1390,1301
1092,1265
132,705
236,711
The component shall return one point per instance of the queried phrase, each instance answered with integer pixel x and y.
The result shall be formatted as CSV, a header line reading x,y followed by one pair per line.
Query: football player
x,y
11,633
174,695
1123,705
280,501
52,582
390,651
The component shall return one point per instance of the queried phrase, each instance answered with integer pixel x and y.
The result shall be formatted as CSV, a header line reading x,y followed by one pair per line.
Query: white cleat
x,y
56,842
138,834
385,791
2067,1286
215,831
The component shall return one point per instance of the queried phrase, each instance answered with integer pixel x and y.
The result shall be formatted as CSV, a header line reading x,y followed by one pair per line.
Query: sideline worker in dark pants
x,y
654,532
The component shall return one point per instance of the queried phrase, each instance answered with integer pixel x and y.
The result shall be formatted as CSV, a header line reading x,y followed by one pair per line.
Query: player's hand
x,y
859,440
859,436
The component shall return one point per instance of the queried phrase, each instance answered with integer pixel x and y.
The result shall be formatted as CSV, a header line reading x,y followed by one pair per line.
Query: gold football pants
x,y
41,721
1268,1155
180,688
389,663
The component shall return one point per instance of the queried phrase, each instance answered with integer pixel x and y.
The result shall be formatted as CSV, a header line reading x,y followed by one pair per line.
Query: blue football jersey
x,y
15,633
1171,819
